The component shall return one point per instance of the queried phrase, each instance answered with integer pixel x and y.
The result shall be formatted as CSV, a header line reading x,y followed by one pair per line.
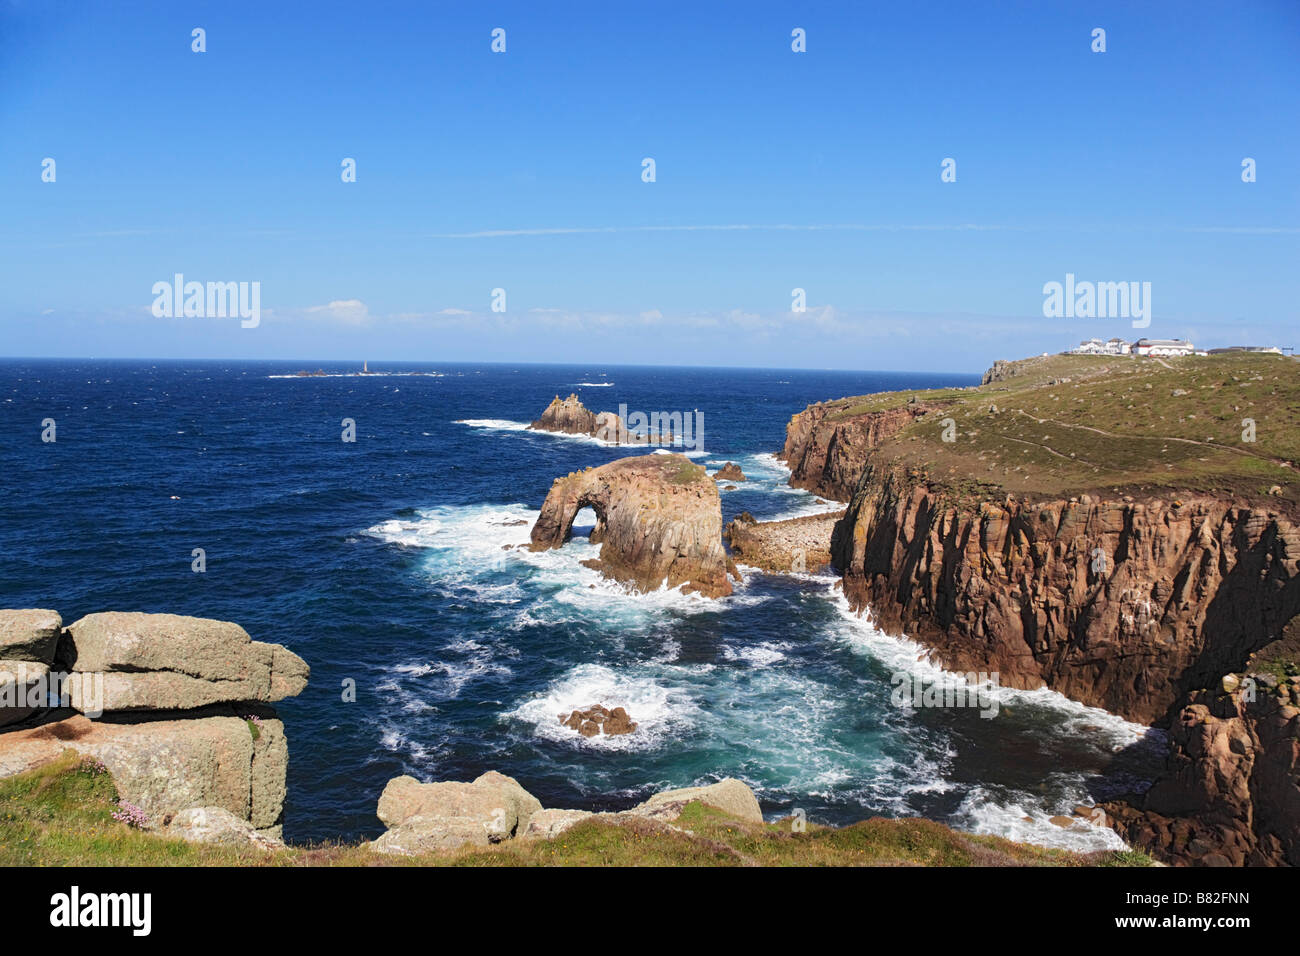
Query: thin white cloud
x,y
347,311
724,227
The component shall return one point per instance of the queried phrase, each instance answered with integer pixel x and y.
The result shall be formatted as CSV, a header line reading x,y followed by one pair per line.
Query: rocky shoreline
x,y
795,545
1131,603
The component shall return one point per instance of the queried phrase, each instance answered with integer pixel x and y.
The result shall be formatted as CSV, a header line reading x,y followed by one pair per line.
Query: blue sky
x,y
522,171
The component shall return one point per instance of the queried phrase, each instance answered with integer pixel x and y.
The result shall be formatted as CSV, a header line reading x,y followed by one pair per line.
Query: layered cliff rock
x,y
827,445
1230,794
659,521
176,708
1125,605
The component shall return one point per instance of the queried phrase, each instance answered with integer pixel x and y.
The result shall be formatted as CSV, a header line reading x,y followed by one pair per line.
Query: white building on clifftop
x,y
1163,347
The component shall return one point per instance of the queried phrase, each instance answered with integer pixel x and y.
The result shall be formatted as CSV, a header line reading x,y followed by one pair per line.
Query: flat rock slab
x,y
172,662
729,795
29,635
217,825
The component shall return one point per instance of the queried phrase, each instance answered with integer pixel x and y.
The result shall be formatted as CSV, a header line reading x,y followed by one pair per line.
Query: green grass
x,y
61,815
1069,424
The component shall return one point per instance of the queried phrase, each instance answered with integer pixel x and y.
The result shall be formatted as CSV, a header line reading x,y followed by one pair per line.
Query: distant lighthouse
x,y
365,367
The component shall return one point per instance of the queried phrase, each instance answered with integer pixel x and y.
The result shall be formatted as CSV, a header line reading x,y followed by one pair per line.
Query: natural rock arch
x,y
658,520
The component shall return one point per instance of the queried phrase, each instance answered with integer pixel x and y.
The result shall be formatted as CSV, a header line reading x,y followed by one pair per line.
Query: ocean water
x,y
388,562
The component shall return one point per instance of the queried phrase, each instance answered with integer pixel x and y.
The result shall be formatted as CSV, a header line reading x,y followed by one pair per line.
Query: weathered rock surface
x,y
599,720
1230,794
171,662
827,445
424,817
176,694
219,826
427,817
24,689
29,635
569,416
1126,605
166,766
548,824
659,521
729,795
793,544
729,472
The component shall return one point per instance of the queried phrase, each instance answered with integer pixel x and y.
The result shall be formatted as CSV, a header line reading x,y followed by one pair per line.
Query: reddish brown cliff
x,y
1230,795
826,445
1126,605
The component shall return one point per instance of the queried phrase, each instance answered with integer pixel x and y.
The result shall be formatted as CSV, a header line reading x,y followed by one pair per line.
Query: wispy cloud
x,y
722,227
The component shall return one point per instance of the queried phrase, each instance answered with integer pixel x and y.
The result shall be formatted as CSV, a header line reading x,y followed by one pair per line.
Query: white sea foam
x,y
593,384
901,653
364,375
982,812
660,712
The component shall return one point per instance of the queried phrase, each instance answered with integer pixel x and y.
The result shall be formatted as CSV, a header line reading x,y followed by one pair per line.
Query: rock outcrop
x,y
1125,605
180,706
219,826
827,445
596,720
793,544
659,521
1230,794
569,416
428,817
169,662
729,472
425,817
28,641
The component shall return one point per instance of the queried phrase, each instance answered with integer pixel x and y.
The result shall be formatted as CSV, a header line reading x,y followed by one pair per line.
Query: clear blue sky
x,y
523,171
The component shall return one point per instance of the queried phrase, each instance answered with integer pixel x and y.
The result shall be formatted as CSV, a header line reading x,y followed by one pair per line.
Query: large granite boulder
x,y
426,817
24,689
659,521
219,826
171,662
166,766
29,635
729,795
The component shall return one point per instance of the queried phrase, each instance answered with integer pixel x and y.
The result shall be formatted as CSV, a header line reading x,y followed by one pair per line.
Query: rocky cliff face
x,y
1125,605
1230,795
659,519
176,708
827,446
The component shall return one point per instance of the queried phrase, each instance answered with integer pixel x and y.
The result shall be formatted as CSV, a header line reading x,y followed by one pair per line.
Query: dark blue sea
x,y
388,562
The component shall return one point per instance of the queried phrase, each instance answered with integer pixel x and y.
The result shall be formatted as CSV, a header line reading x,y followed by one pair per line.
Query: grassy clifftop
x,y
1065,424
61,814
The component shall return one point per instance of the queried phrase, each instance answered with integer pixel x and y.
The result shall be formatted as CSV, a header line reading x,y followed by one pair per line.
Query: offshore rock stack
x,y
658,520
